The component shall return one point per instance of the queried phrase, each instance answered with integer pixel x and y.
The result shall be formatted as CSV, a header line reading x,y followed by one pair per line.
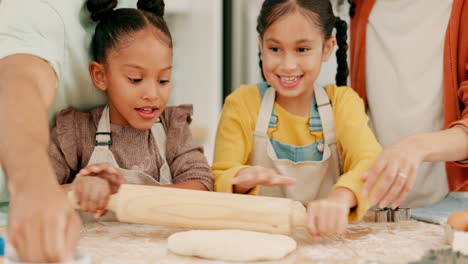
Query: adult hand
x,y
250,177
393,173
43,227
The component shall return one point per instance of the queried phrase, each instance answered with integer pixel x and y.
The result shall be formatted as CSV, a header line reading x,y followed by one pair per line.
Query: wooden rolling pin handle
x,y
204,210
298,215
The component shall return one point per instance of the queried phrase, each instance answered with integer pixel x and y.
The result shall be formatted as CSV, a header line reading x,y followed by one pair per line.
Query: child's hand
x,y
92,194
252,176
94,185
326,218
106,172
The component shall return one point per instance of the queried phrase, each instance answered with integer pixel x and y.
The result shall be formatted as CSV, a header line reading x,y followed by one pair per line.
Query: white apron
x,y
101,153
314,179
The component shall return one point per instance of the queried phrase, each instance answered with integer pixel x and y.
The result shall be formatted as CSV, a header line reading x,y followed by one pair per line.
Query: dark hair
x,y
352,8
117,25
322,16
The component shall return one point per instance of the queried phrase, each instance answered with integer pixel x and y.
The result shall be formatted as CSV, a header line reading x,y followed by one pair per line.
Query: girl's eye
x,y
135,80
274,49
302,49
163,81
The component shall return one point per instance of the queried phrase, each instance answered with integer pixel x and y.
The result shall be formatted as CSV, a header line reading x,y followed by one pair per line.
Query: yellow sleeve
x,y
357,144
234,137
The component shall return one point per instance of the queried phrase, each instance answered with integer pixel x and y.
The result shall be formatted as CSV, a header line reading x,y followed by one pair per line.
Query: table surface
x,y
365,242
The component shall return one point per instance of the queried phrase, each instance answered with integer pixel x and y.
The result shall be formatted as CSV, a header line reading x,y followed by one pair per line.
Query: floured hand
x,y
250,177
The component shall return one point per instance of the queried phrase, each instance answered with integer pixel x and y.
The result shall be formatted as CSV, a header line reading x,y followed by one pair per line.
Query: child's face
x,y
293,50
137,79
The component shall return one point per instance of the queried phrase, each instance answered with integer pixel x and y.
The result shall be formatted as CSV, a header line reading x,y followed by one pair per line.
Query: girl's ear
x,y
260,46
98,75
328,48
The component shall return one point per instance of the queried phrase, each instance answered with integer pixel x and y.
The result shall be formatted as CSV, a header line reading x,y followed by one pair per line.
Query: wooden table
x,y
363,243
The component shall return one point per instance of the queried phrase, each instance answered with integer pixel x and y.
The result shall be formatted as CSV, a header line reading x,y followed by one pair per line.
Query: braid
x,y
352,9
260,63
341,53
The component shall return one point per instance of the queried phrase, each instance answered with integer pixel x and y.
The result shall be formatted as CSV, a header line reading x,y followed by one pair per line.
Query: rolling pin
x,y
204,210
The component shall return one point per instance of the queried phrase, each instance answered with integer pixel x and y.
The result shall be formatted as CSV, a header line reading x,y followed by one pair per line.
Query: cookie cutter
x,y
401,214
388,215
382,215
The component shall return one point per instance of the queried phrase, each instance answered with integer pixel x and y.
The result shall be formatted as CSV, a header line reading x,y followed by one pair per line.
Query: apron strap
x,y
328,122
263,119
103,137
159,135
315,123
326,114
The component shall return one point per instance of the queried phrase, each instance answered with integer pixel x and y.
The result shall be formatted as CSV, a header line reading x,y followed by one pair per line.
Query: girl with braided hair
x,y
288,137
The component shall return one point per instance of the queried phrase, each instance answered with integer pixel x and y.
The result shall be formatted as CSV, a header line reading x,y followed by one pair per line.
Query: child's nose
x,y
151,93
289,63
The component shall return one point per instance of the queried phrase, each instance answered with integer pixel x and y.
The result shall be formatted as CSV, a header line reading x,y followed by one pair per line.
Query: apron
x,y
101,153
314,179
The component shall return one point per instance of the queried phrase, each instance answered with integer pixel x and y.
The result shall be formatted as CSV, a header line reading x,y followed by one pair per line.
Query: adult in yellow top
x,y
293,138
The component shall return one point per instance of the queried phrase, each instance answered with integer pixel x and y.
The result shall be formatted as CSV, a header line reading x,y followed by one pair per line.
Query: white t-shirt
x,y
60,32
404,80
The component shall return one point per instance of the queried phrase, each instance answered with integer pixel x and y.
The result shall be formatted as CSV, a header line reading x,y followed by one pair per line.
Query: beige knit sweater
x,y
72,143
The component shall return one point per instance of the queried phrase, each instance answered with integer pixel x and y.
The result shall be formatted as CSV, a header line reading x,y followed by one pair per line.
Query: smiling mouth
x,y
290,81
147,112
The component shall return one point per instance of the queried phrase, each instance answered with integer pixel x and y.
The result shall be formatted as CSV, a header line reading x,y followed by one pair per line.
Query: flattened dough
x,y
231,245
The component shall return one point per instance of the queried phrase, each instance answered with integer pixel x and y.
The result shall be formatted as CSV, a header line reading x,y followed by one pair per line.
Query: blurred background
x,y
215,51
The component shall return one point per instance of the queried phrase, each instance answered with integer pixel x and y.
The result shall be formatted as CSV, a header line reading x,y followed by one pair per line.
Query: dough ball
x,y
459,221
231,245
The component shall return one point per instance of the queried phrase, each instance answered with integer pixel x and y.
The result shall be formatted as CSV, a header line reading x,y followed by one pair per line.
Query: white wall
x,y
196,26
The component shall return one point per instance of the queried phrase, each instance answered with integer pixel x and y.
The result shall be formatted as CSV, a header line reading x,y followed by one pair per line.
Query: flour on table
x,y
231,245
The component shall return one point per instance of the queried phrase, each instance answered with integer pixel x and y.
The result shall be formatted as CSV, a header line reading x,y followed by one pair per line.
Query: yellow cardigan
x,y
356,142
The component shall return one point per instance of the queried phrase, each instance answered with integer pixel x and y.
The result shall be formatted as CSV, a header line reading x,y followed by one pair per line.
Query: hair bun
x,y
154,6
100,8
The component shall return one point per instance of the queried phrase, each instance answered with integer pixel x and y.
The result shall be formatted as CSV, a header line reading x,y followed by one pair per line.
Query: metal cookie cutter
x,y
382,215
401,214
387,215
